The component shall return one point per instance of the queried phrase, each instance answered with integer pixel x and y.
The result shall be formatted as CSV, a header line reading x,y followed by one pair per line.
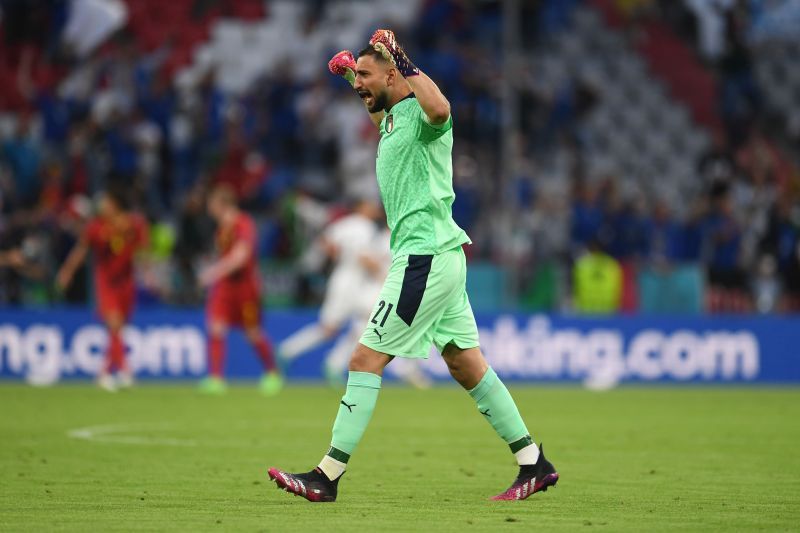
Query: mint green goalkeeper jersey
x,y
415,175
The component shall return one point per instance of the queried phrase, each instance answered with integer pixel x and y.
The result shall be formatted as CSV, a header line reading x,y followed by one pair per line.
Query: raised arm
x,y
344,64
430,98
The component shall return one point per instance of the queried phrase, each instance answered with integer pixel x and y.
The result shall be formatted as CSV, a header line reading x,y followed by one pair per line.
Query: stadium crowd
x,y
298,149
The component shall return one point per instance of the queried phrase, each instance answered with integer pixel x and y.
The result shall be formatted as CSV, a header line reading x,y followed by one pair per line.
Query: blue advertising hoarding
x,y
49,345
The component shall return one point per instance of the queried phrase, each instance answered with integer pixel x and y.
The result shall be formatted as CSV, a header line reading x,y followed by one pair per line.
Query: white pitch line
x,y
109,434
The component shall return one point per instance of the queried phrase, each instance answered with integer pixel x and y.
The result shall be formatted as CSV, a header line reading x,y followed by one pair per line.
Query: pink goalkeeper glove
x,y
344,64
386,43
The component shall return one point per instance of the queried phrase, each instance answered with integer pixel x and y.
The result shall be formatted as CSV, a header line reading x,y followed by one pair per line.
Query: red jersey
x,y
242,230
114,247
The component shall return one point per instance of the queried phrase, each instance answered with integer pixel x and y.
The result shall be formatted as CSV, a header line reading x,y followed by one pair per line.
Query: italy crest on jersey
x,y
389,123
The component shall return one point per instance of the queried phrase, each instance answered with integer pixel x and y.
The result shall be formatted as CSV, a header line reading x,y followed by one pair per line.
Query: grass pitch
x,y
164,458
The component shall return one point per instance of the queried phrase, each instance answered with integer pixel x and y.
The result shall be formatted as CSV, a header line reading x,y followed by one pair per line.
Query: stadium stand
x,y
629,136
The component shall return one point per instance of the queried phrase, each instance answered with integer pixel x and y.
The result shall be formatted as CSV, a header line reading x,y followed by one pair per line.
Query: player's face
x,y
372,78
106,206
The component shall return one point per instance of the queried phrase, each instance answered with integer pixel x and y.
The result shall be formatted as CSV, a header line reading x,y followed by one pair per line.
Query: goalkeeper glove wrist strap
x,y
406,67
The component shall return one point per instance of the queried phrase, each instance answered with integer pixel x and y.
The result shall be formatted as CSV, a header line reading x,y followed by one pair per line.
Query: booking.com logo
x,y
539,351
43,353
38,351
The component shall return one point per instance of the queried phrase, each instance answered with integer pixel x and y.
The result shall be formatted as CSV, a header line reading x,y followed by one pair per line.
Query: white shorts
x,y
345,302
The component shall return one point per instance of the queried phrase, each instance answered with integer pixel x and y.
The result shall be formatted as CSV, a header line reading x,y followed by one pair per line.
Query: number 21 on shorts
x,y
382,309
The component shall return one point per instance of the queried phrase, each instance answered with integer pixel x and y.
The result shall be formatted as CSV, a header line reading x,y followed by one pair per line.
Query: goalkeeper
x,y
423,300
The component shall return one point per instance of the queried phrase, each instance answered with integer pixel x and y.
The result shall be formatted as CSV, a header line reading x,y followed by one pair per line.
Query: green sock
x,y
497,406
355,410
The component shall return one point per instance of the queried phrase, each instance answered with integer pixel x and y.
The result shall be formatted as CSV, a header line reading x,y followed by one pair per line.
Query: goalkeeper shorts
x,y
423,302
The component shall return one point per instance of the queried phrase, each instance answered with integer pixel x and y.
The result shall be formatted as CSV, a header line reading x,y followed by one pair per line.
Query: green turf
x,y
630,459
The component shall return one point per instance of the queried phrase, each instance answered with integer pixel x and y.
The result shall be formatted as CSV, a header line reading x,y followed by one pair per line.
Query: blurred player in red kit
x,y
234,297
114,236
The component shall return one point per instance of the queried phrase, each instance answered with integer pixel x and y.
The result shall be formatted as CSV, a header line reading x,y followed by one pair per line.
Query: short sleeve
x,y
430,132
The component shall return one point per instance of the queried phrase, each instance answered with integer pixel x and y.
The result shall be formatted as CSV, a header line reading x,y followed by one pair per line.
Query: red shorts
x,y
116,301
235,306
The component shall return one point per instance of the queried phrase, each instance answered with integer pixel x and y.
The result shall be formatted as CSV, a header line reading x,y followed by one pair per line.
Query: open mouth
x,y
366,97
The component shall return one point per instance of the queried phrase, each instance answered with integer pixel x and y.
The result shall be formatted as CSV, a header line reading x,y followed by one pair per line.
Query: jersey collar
x,y
406,97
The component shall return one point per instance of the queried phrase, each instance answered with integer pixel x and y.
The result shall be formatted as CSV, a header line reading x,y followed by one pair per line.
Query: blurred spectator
x,y
670,281
739,97
192,242
24,256
156,276
717,164
597,282
781,242
624,228
693,233
587,215
727,278
665,243
22,155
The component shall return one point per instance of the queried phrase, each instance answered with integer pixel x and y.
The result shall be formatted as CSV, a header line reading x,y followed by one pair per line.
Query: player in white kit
x,y
350,285
377,262
363,258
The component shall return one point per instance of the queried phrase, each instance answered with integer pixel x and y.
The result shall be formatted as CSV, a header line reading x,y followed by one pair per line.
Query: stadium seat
x,y
631,100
